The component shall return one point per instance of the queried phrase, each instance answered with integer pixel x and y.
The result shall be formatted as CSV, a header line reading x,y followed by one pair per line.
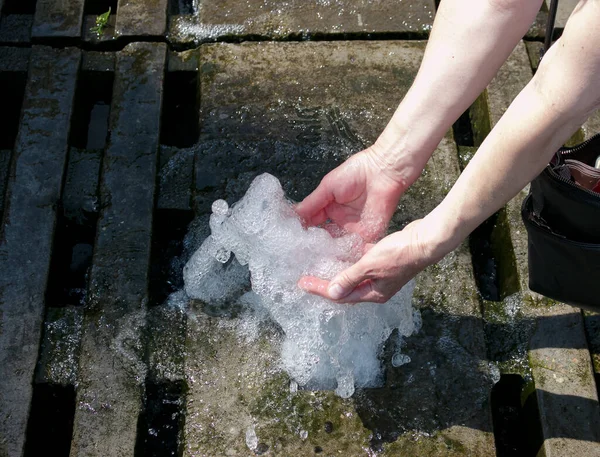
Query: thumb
x,y
346,281
311,209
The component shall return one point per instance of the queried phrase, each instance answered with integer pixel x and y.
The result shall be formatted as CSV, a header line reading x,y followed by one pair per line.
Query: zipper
x,y
570,183
566,152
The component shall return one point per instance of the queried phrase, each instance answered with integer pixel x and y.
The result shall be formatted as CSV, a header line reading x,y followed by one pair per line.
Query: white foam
x,y
326,345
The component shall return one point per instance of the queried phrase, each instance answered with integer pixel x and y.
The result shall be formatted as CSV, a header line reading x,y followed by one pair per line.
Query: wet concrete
x,y
58,363
98,61
112,366
176,175
169,376
14,59
261,111
276,20
141,18
26,239
58,18
15,28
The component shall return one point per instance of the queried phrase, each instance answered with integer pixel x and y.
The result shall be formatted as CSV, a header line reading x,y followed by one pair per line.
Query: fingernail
x,y
335,291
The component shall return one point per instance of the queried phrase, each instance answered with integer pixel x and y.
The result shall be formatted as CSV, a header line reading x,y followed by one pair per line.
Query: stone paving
x,y
112,151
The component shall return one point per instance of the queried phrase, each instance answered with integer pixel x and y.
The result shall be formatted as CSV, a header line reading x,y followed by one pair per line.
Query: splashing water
x,y
326,345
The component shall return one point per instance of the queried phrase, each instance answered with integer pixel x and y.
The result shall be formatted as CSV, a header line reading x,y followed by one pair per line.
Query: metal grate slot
x,y
180,125
13,87
92,110
166,273
181,7
100,6
515,431
160,428
71,261
19,7
50,421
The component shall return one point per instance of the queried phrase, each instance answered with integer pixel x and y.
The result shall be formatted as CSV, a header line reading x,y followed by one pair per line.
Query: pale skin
x,y
469,42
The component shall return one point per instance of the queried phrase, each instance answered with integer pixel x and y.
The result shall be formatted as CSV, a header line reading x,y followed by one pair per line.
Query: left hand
x,y
384,268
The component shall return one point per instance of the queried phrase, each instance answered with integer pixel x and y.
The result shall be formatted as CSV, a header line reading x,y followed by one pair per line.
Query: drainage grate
x,y
125,145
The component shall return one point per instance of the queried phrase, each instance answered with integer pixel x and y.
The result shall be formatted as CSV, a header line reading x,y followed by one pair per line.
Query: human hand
x,y
385,267
359,196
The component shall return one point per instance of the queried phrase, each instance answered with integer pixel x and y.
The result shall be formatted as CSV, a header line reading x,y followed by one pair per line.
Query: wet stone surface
x,y
297,122
141,18
40,156
545,340
15,28
58,19
112,365
4,169
59,355
275,19
14,59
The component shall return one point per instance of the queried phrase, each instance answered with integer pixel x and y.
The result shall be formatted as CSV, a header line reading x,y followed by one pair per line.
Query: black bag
x,y
562,217
563,226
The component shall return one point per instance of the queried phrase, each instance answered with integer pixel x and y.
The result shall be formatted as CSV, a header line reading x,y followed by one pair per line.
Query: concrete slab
x,y
112,368
592,125
14,59
184,61
59,353
175,178
559,359
141,18
40,156
537,31
80,194
275,19
261,111
565,8
61,18
15,28
534,50
166,346
98,61
4,170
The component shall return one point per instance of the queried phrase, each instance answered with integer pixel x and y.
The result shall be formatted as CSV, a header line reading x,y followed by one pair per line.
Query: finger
x,y
364,292
345,282
312,207
315,286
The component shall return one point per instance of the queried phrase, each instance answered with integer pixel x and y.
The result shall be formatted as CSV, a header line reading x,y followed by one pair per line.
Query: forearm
x,y
564,92
469,42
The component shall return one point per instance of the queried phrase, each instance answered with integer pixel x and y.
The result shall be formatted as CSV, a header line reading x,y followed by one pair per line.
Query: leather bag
x,y
562,217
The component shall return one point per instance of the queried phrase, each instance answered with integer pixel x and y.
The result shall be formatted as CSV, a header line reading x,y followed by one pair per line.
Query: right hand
x,y
360,196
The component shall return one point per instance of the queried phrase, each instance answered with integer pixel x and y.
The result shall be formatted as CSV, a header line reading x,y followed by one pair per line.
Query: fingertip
x,y
315,286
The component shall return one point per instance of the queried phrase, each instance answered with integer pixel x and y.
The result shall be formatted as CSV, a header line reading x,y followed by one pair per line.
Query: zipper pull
x,y
597,164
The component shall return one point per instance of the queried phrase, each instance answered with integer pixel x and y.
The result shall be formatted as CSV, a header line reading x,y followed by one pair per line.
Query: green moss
x,y
503,252
578,137
528,389
480,119
465,154
437,444
283,415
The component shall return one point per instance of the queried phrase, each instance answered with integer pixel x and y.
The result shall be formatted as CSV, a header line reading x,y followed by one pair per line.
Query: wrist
x,y
442,233
396,158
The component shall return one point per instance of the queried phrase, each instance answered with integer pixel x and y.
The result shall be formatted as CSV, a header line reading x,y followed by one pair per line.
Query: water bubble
x,y
325,343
